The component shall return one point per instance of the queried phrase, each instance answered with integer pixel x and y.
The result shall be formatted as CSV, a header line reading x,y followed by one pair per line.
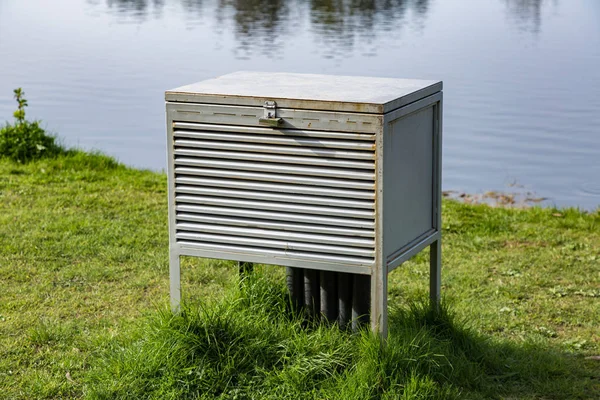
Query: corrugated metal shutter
x,y
303,194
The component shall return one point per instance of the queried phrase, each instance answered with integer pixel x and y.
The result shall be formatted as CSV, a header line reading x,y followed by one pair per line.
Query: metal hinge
x,y
270,114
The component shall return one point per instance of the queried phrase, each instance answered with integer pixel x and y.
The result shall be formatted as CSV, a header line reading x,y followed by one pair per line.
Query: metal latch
x,y
270,115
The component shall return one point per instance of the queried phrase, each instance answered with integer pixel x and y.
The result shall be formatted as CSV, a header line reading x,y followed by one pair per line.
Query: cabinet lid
x,y
307,91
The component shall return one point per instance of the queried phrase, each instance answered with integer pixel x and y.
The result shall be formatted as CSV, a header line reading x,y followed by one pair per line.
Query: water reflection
x,y
136,9
258,24
337,22
527,14
340,22
263,26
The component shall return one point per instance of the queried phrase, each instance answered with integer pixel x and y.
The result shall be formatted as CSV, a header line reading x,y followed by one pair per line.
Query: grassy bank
x,y
84,287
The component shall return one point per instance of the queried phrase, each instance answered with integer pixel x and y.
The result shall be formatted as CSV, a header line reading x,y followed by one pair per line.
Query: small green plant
x,y
22,103
24,140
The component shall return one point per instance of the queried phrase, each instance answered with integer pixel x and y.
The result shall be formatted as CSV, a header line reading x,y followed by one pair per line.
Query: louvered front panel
x,y
295,194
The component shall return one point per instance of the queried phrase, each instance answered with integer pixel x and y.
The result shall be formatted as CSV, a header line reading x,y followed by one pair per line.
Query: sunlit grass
x,y
84,287
250,345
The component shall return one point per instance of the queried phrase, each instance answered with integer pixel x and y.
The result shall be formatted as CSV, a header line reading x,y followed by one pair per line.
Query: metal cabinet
x,y
320,172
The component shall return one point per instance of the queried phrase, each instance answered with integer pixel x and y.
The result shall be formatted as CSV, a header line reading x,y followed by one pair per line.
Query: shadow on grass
x,y
487,367
251,346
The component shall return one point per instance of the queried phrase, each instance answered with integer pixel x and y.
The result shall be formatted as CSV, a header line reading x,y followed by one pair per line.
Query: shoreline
x,y
495,198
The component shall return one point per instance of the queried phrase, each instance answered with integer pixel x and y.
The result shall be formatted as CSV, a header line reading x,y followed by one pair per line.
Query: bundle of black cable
x,y
335,296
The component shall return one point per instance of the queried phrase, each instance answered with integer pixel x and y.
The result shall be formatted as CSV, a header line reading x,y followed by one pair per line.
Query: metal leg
x,y
379,308
435,272
175,282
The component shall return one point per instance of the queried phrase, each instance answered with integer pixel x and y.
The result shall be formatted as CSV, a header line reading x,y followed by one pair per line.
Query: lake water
x,y
521,77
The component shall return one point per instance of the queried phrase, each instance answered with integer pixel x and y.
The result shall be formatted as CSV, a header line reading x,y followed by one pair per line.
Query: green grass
x,y
84,288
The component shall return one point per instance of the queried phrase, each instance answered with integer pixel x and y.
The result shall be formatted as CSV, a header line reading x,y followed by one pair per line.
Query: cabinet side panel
x,y
408,180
